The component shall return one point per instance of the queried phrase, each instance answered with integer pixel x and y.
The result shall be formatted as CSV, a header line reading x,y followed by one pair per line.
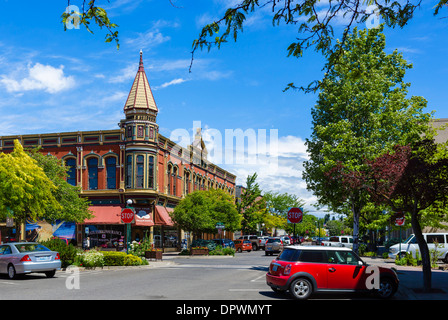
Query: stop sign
x,y
295,215
127,215
399,221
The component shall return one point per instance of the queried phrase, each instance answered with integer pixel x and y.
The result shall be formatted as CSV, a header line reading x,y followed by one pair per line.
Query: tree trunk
x,y
424,251
356,214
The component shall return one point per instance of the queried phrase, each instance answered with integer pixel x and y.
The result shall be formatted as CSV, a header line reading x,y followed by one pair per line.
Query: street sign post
x,y
220,226
295,215
128,217
399,221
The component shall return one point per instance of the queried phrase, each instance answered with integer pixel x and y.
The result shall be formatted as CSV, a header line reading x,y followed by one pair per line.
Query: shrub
x,y
67,253
91,259
210,244
219,251
114,258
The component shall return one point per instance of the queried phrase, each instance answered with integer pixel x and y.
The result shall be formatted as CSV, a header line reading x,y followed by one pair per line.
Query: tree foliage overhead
x,y
315,20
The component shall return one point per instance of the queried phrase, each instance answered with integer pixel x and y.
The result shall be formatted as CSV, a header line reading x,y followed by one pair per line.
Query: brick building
x,y
134,162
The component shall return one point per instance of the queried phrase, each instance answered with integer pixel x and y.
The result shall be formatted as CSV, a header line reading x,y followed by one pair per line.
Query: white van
x,y
410,245
339,241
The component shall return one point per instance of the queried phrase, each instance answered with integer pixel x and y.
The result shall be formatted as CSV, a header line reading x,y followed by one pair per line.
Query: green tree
x,y
362,111
72,207
200,211
278,205
251,206
412,179
25,190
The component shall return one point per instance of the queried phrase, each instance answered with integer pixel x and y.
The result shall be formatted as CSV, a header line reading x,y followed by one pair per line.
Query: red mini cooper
x,y
304,270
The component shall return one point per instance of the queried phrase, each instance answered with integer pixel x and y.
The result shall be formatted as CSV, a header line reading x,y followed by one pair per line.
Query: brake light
x,y
25,258
287,269
57,257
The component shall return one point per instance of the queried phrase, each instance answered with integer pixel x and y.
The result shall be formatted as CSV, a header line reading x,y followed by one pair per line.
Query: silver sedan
x,y
27,257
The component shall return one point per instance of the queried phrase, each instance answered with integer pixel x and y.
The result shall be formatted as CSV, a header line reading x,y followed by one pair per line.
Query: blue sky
x,y
53,80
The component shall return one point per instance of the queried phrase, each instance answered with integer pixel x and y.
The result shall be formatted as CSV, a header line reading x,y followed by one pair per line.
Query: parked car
x,y
253,239
243,245
27,257
262,242
273,245
305,270
224,243
286,240
339,241
410,246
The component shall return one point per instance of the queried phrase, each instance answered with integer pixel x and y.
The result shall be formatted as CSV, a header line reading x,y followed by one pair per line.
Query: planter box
x,y
153,255
195,252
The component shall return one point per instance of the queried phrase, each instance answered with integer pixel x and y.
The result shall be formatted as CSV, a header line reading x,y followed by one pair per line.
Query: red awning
x,y
162,217
105,215
143,217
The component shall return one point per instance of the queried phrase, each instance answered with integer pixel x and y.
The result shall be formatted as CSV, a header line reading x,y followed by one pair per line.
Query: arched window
x,y
151,172
174,177
129,171
168,174
140,171
71,173
111,172
187,182
92,164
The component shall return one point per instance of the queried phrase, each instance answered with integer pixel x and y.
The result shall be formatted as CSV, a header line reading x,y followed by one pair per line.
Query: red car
x,y
304,270
242,245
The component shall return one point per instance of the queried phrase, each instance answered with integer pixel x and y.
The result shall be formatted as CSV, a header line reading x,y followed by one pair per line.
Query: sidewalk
x,y
411,281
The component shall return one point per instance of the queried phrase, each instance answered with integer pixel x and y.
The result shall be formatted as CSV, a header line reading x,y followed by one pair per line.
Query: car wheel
x,y
387,288
255,247
50,274
446,258
12,272
301,289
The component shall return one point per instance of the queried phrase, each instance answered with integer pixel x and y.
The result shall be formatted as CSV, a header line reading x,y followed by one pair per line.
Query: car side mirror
x,y
360,263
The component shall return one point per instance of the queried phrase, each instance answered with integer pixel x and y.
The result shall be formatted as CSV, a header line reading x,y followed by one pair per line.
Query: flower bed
x,y
154,254
199,251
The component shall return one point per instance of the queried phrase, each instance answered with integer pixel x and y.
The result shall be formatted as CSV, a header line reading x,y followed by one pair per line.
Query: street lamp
x,y
128,227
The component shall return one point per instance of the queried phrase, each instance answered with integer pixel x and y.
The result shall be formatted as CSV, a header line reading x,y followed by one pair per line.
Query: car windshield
x,y
289,255
30,247
273,240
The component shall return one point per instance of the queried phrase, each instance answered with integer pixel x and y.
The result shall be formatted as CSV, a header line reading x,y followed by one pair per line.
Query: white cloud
x,y
152,37
125,74
40,77
170,83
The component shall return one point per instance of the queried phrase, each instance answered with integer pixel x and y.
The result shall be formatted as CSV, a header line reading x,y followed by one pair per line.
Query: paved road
x,y
175,278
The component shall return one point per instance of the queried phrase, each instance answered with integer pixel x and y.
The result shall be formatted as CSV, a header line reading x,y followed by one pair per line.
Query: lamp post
x,y
128,227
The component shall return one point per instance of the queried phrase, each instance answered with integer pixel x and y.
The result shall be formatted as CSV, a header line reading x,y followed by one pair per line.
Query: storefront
x,y
107,232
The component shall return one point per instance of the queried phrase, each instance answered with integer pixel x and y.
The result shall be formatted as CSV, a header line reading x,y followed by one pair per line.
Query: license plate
x,y
43,258
274,267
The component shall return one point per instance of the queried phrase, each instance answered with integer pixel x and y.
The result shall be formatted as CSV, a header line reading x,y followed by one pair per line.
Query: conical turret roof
x,y
140,96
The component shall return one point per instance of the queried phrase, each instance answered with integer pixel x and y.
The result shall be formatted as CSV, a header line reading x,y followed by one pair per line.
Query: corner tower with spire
x,y
140,110
140,131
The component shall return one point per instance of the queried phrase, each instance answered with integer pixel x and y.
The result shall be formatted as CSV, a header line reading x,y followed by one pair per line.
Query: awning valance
x,y
162,217
104,215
